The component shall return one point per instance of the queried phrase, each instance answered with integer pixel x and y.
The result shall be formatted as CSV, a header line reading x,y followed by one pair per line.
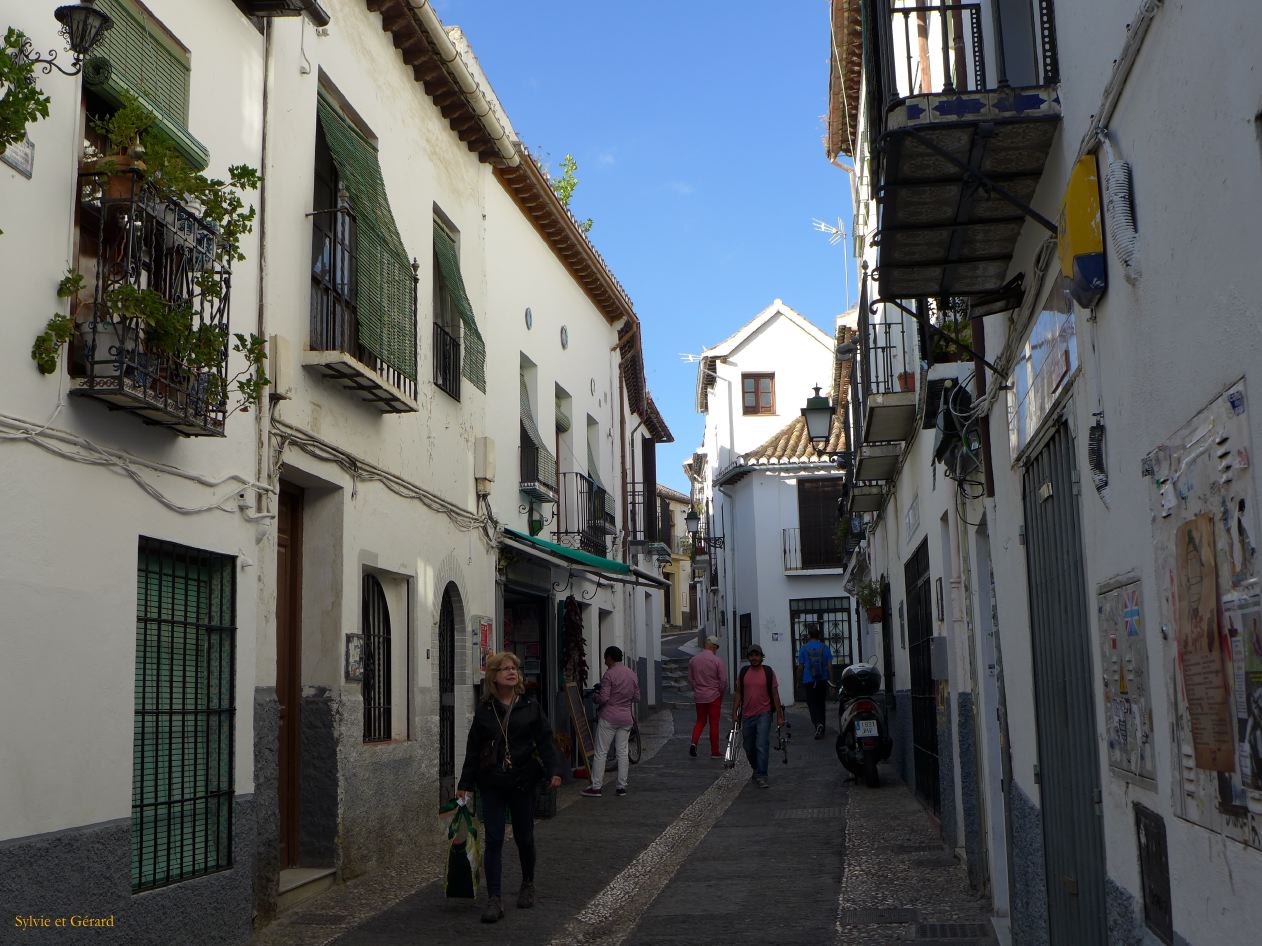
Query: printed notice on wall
x,y
1201,656
1203,529
1127,697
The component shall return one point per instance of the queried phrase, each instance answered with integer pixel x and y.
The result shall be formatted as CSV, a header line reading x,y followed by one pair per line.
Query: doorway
x,y
1064,702
288,667
526,635
924,691
447,694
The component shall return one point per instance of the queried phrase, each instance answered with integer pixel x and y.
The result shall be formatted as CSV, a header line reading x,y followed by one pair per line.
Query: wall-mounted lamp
x,y
82,26
692,522
819,418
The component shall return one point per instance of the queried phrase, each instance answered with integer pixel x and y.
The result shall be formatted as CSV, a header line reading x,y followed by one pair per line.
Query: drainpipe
x,y
456,68
262,417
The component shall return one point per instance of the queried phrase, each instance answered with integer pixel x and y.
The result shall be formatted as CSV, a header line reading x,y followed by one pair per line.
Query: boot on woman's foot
x,y
494,911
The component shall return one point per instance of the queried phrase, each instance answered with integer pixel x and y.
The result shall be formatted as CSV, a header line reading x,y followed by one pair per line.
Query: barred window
x,y
377,663
831,616
182,772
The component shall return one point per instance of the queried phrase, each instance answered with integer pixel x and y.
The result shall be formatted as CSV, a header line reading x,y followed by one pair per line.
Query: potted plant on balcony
x,y
122,161
869,595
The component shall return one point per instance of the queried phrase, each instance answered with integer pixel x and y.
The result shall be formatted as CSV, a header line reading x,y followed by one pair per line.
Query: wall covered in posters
x,y
1127,695
1204,522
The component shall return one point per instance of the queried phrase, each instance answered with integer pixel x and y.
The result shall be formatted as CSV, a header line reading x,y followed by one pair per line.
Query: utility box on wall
x,y
938,658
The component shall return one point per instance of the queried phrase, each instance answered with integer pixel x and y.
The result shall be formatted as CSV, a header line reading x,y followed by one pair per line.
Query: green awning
x,y
573,555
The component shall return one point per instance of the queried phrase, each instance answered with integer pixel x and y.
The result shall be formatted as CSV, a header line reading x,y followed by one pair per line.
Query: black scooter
x,y
863,737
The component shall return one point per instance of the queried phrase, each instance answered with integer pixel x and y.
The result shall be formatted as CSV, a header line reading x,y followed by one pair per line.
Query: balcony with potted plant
x,y
150,299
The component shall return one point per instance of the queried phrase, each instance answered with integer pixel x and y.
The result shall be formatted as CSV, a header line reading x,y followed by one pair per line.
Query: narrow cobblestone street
x,y
691,855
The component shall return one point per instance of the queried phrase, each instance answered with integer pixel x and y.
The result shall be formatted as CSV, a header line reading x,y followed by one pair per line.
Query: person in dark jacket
x,y
509,750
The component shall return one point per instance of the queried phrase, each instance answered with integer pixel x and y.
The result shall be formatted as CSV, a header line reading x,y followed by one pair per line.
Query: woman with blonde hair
x,y
509,750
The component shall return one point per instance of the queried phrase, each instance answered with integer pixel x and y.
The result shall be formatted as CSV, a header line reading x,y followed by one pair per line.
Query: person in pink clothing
x,y
619,688
707,675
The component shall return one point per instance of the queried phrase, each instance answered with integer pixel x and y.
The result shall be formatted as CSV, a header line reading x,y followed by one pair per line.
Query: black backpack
x,y
771,679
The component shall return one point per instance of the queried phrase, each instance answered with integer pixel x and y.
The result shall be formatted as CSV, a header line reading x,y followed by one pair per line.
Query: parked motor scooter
x,y
863,737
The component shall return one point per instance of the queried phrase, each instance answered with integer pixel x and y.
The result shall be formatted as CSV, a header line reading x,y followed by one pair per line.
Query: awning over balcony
x,y
946,228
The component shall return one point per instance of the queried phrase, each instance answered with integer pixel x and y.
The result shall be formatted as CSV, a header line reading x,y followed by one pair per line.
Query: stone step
x,y
302,883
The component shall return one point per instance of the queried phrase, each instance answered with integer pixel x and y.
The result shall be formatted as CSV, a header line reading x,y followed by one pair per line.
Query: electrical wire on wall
x,y
360,470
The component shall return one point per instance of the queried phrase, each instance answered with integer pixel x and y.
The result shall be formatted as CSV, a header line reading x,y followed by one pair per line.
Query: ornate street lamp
x,y
692,522
819,418
82,26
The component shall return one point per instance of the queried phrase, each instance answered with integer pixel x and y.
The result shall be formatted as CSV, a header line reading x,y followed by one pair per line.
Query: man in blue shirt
x,y
815,661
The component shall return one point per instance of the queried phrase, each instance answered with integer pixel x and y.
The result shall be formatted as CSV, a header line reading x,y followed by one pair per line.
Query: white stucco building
x,y
283,612
769,559
1062,521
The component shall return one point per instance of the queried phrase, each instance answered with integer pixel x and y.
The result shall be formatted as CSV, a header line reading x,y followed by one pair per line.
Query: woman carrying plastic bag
x,y
509,750
464,858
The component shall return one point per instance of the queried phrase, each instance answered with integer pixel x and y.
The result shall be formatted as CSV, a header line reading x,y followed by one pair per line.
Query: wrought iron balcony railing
x,y
810,549
943,48
538,473
889,353
582,513
447,361
153,338
335,289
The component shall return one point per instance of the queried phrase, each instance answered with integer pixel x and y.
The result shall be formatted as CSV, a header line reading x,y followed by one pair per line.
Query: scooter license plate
x,y
865,728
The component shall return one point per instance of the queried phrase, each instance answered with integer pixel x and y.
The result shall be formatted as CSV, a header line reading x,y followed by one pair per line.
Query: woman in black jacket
x,y
507,718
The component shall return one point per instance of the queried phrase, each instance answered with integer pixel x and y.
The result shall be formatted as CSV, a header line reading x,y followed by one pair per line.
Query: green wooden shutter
x,y
148,66
182,773
547,462
474,367
386,295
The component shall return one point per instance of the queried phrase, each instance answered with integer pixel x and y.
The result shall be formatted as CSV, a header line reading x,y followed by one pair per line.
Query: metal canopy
x,y
959,174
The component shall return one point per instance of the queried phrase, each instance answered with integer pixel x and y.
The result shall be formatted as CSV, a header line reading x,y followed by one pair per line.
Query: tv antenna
x,y
835,235
688,358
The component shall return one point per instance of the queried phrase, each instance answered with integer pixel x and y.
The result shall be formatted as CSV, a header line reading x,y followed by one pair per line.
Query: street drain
x,y
971,932
877,917
805,813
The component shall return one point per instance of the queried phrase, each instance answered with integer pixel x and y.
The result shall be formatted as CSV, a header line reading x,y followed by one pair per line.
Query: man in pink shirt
x,y
619,688
707,675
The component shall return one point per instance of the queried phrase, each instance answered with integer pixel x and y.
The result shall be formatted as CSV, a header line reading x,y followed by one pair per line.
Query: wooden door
x,y
288,666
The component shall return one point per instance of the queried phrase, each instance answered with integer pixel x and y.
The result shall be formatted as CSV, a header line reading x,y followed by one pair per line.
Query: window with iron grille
x,y
446,321
182,773
758,393
377,664
831,616
334,321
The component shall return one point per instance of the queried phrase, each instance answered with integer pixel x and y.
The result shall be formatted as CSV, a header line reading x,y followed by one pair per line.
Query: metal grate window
x,y
831,616
376,630
182,773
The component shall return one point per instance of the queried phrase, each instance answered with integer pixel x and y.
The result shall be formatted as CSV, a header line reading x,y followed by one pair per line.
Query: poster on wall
x,y
1203,523
485,642
1201,654
1127,697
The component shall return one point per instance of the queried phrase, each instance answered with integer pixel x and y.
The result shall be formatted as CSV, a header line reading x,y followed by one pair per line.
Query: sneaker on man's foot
x,y
526,896
761,781
494,911
819,732
716,755
590,792
619,791
692,751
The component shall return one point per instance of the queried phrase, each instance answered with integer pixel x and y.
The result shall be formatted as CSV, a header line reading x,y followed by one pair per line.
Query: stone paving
x,y
692,855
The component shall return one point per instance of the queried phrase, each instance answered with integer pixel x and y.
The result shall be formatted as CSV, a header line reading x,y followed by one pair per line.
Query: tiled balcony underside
x,y
941,233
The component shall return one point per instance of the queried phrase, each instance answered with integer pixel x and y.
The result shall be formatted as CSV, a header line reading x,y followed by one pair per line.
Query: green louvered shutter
x,y
148,65
386,294
182,772
146,60
563,419
474,367
593,471
547,469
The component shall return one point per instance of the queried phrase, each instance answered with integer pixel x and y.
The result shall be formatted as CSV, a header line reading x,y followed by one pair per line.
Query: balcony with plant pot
x,y
149,329
889,376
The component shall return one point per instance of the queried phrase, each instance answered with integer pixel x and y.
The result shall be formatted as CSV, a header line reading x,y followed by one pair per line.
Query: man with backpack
x,y
758,701
815,660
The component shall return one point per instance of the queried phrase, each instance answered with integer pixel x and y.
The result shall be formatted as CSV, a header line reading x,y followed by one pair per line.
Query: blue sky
x,y
697,128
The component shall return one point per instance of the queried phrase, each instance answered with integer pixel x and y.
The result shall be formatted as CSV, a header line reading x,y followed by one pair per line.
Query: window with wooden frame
x,y
182,748
758,393
446,314
818,518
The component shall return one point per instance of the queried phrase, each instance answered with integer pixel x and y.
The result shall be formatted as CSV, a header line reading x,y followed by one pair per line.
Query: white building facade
x,y
769,555
1058,527
284,611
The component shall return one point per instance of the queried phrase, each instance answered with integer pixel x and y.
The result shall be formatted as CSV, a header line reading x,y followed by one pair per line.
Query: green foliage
x,y
48,343
71,285
869,594
22,102
565,185
124,128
